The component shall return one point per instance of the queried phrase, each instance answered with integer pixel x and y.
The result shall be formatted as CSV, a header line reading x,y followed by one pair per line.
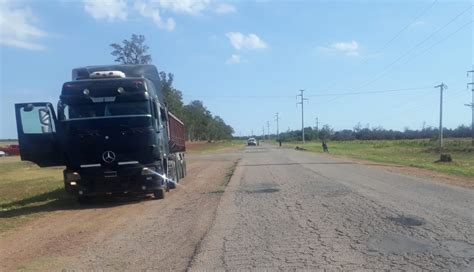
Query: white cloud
x,y
17,25
193,7
234,59
241,41
224,8
346,48
149,11
113,10
110,10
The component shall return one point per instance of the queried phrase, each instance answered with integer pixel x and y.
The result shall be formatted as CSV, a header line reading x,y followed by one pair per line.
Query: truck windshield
x,y
79,111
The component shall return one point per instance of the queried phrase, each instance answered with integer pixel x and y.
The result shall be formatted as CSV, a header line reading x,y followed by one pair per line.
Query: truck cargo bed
x,y
177,133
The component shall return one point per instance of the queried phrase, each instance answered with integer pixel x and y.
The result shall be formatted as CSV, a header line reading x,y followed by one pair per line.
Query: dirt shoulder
x,y
142,234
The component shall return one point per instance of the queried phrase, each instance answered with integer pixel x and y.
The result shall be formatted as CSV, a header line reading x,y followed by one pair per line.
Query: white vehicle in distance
x,y
251,141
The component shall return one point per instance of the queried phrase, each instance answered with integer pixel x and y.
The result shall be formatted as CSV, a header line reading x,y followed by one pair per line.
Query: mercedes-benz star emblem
x,y
108,156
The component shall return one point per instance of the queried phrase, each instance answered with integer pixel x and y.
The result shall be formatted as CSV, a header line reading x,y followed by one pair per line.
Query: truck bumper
x,y
102,182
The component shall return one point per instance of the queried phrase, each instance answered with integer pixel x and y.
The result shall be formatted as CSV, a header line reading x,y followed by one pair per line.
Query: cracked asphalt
x,y
291,210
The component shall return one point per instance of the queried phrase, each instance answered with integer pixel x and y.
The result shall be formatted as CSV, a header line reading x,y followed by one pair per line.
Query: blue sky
x,y
247,59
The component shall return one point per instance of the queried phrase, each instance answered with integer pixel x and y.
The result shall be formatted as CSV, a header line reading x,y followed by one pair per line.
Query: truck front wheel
x,y
159,194
172,174
184,169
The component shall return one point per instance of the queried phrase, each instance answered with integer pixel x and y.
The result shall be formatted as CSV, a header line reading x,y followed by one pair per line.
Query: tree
x,y
218,129
326,133
197,119
201,125
173,96
132,52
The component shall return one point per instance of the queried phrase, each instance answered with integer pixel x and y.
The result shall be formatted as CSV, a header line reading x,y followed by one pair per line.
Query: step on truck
x,y
112,132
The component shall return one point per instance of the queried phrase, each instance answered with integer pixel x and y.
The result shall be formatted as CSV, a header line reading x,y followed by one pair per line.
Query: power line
x,y
423,12
368,92
453,94
439,42
377,91
339,93
403,104
388,67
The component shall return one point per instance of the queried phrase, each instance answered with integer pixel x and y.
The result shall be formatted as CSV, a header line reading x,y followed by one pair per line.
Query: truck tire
x,y
181,171
159,194
184,168
171,174
171,185
177,168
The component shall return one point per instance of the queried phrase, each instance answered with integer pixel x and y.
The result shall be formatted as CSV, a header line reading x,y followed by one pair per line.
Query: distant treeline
x,y
199,122
376,133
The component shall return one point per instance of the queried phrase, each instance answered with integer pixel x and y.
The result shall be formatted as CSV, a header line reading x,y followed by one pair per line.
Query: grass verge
x,y
416,153
27,191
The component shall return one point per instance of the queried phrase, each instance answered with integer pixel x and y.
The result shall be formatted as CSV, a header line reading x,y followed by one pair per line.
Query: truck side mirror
x,y
45,120
44,116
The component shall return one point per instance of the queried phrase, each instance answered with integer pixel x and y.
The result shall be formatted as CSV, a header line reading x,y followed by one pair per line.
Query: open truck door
x,y
37,136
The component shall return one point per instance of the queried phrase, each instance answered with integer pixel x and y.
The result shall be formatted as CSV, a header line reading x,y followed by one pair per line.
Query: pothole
x,y
407,221
393,243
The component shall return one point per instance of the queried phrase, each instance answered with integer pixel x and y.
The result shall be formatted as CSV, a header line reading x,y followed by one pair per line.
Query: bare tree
x,y
132,52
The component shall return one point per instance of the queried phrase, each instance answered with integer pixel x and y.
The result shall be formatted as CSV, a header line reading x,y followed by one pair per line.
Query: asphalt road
x,y
285,209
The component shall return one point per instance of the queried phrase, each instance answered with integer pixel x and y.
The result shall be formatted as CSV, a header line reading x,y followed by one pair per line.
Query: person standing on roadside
x,y
325,147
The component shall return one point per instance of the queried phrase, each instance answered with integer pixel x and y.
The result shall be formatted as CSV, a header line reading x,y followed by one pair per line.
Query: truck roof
x,y
147,71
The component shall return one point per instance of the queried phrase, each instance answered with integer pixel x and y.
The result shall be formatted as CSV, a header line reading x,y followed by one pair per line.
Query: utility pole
x,y
277,118
441,87
317,128
471,105
268,129
263,132
252,133
302,111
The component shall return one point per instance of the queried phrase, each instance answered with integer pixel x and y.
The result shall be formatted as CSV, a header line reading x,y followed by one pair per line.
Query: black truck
x,y
112,132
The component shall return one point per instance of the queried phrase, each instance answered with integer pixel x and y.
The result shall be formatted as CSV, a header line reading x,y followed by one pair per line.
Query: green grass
x,y
417,153
27,191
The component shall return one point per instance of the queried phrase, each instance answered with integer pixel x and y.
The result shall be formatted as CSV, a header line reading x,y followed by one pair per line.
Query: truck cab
x,y
111,132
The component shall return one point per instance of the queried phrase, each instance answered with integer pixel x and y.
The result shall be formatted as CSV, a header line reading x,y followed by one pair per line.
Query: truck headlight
x,y
150,170
73,176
